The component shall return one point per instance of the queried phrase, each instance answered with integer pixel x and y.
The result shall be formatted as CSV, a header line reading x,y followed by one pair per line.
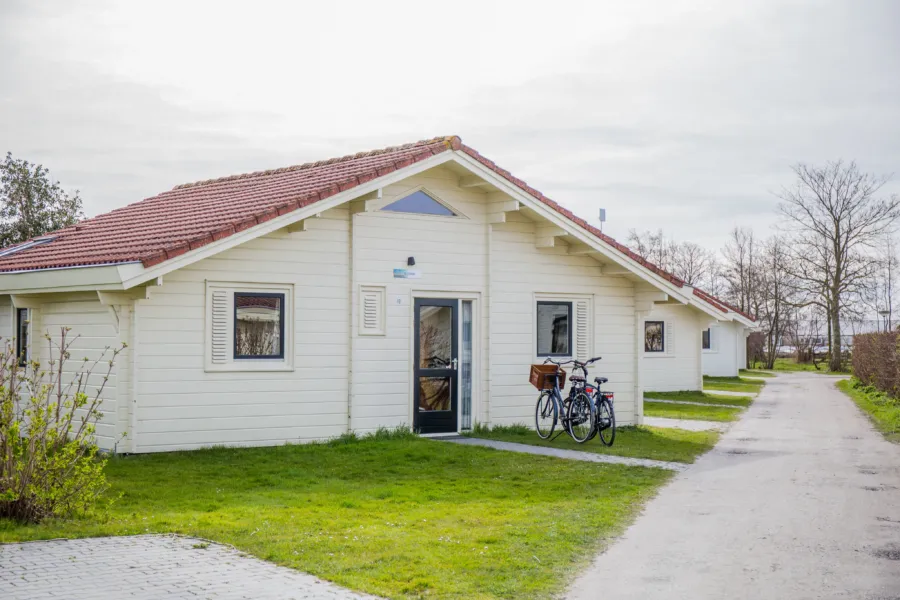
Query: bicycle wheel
x,y
606,422
581,418
545,415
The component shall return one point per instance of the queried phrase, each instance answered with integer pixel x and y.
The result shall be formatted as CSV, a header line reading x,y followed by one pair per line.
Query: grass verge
x,y
690,411
791,365
883,410
756,373
732,384
701,397
401,518
656,443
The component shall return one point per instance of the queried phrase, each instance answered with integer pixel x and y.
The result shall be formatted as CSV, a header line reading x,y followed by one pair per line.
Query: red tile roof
x,y
192,215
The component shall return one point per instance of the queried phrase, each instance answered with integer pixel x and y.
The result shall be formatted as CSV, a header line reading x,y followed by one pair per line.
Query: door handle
x,y
454,362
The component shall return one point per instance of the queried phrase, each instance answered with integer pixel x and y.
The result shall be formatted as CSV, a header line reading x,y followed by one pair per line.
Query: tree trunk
x,y
835,364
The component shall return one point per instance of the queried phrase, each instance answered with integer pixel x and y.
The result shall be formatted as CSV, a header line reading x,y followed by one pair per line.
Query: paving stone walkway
x,y
730,393
694,403
687,424
567,454
151,567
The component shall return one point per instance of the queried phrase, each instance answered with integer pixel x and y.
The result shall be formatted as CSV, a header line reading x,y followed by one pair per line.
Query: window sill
x,y
252,367
658,355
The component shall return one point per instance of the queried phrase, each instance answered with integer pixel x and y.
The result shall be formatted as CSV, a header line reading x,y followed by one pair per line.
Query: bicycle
x,y
576,412
605,425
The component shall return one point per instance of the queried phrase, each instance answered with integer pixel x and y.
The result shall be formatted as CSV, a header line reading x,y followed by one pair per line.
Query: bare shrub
x,y
49,462
876,361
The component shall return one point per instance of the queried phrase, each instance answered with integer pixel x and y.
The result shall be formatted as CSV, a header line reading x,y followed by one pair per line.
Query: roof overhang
x,y
129,275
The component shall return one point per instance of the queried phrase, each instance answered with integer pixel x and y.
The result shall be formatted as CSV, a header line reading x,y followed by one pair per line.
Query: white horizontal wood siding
x,y
93,336
728,352
7,321
521,272
182,406
679,367
451,259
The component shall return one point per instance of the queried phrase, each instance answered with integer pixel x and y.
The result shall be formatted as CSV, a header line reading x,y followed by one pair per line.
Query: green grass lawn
x,y
656,443
402,518
690,411
732,384
756,373
883,410
791,365
702,397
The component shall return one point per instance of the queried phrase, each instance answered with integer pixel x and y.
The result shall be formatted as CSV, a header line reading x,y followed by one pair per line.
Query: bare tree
x,y
693,264
740,270
880,296
690,262
775,289
837,220
652,246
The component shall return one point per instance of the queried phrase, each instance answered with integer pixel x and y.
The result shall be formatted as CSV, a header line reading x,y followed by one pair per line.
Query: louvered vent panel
x,y
221,346
371,310
582,330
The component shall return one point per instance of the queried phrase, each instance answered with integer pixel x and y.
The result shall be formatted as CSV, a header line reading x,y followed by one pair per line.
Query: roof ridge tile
x,y
448,140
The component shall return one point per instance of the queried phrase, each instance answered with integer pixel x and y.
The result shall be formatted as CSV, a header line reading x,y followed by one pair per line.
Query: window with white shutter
x,y
563,326
371,310
249,327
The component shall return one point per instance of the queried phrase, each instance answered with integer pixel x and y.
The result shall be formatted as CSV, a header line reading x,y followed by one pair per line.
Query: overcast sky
x,y
678,115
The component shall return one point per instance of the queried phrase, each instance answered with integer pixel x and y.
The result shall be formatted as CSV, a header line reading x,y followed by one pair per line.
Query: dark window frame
x,y
22,339
450,212
662,337
706,339
280,355
569,306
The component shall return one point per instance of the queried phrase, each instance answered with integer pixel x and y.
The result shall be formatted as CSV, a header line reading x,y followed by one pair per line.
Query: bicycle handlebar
x,y
572,361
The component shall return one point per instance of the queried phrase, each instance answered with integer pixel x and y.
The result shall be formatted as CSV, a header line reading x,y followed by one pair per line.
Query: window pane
x,y
421,203
706,344
434,394
258,325
465,366
553,328
653,336
435,337
22,336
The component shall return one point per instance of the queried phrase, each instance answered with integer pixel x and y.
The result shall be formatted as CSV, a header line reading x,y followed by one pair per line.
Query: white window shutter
x,y
371,310
582,330
670,339
220,349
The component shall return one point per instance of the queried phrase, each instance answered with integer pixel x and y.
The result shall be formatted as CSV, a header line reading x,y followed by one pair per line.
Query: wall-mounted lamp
x,y
411,261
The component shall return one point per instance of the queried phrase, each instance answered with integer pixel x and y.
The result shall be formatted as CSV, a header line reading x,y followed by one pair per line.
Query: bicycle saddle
x,y
576,378
600,380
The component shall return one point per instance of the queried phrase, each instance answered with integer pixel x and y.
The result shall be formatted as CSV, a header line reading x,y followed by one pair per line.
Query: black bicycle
x,y
606,414
576,412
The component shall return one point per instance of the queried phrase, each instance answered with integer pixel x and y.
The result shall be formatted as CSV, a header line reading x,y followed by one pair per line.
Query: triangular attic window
x,y
420,203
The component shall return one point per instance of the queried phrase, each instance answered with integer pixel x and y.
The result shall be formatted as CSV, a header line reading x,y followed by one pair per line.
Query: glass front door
x,y
436,365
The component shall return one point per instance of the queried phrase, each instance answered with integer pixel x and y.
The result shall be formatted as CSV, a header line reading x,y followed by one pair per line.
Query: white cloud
x,y
681,115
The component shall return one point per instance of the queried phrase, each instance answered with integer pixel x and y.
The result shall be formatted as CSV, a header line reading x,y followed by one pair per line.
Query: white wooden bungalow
x,y
682,345
412,285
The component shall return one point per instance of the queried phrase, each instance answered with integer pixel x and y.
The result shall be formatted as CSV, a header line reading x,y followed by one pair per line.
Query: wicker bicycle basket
x,y
543,377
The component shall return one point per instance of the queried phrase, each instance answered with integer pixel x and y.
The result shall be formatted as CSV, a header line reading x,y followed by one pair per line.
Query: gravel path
x,y
799,500
149,567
